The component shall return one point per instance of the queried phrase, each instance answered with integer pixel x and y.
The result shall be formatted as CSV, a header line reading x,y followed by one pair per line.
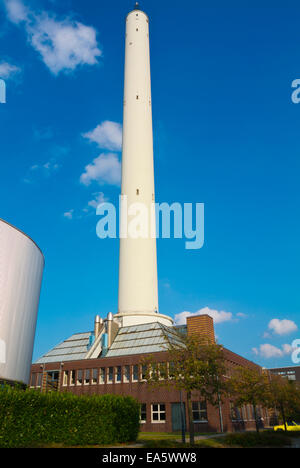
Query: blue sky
x,y
226,134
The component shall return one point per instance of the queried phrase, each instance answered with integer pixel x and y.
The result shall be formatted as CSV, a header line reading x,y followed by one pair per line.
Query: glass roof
x,y
137,339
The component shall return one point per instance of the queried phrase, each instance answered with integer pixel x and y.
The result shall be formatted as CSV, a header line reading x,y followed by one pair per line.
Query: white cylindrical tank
x,y
21,270
138,295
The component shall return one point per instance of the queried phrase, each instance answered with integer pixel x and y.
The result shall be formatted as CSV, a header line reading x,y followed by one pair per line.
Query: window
x,y
118,374
235,413
102,375
126,374
87,378
171,370
158,412
143,372
52,380
199,410
94,376
39,380
66,378
79,377
143,412
33,380
162,366
110,375
72,380
135,373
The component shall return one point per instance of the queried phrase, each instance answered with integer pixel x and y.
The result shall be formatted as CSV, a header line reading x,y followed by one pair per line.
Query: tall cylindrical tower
x,y
138,297
21,271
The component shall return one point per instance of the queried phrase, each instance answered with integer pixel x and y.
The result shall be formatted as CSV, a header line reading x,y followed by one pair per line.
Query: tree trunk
x,y
283,416
220,413
191,422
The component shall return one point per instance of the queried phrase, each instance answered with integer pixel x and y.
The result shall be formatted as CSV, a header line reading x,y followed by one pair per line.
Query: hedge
x,y
30,418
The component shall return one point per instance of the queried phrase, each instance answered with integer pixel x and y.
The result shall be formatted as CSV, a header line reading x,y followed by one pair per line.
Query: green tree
x,y
249,386
194,364
284,395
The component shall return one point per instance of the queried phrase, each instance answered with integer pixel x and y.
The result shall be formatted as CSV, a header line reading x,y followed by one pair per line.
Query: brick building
x,y
290,372
110,362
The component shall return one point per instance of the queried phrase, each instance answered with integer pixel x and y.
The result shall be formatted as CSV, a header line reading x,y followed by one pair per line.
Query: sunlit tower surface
x,y
138,295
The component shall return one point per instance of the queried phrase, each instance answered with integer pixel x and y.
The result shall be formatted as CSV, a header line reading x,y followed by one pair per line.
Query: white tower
x,y
138,298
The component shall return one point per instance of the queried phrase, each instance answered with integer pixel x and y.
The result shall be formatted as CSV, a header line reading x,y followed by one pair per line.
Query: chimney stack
x,y
202,326
98,325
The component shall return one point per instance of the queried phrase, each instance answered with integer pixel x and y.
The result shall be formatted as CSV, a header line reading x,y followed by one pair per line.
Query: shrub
x,y
30,418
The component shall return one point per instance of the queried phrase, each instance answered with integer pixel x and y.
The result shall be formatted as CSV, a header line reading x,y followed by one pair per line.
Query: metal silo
x,y
21,270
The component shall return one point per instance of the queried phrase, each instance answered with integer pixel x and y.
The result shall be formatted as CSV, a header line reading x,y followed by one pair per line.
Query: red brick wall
x,y
146,394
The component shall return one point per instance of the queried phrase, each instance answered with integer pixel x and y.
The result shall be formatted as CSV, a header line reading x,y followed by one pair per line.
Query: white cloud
x,y
8,70
218,316
16,11
282,327
269,351
105,169
107,135
98,198
69,214
37,172
63,44
46,169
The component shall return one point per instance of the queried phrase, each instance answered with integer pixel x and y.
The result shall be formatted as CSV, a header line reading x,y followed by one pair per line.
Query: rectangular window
x,y
94,376
39,380
162,370
158,412
87,378
126,374
102,376
118,374
110,375
135,373
143,372
235,413
33,380
171,370
79,377
143,412
199,410
66,378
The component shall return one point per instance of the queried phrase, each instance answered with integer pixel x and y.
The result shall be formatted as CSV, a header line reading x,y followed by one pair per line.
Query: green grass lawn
x,y
150,440
166,435
236,440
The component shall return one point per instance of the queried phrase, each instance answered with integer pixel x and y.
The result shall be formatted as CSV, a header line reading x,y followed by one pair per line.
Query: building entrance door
x,y
176,416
